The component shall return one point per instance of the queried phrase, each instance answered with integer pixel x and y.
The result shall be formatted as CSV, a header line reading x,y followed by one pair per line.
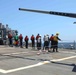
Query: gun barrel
x,y
31,10
72,15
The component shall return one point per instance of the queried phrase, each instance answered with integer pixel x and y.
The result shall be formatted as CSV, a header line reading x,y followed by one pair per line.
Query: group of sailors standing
x,y
47,40
53,39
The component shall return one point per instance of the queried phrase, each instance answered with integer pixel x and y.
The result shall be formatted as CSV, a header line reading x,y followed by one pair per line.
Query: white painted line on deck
x,y
19,52
67,52
22,68
55,60
15,53
2,71
35,65
7,48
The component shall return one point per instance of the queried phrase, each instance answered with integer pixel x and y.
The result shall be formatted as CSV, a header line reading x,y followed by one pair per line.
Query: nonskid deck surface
x,y
21,61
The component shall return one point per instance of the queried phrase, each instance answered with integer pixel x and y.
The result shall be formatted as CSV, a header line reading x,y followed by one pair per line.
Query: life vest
x,y
20,37
46,38
39,40
10,36
55,38
26,39
16,37
37,37
32,37
51,38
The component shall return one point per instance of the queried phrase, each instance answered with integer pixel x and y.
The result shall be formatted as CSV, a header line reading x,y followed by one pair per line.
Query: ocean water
x,y
67,45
